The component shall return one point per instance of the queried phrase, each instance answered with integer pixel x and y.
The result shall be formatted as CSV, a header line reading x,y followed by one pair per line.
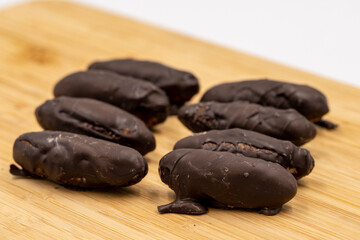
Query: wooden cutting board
x,y
40,42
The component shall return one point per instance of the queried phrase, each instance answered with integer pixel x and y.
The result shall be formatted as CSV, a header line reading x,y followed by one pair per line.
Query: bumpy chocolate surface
x,y
308,101
286,124
297,161
141,98
179,85
76,160
199,176
96,119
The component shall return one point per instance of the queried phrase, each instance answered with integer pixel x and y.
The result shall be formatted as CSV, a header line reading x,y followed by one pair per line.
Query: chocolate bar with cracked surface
x,y
96,119
286,124
298,161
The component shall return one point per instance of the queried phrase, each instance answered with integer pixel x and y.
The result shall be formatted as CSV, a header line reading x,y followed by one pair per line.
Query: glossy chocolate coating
x,y
286,124
308,101
297,161
96,119
77,160
141,98
198,176
179,85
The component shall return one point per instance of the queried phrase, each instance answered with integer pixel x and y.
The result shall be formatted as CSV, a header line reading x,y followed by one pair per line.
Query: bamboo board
x,y
40,42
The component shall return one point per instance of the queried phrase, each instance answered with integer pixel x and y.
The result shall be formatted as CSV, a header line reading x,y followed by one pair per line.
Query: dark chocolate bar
x,y
76,160
179,85
307,100
141,98
298,161
232,181
286,124
96,119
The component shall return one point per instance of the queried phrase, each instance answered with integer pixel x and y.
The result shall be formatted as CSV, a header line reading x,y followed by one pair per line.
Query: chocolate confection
x,y
179,85
76,160
286,124
308,101
96,119
200,177
297,161
141,98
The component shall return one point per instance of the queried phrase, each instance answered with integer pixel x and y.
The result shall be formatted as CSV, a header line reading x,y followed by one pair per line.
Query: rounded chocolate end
x,y
300,131
167,164
303,163
309,102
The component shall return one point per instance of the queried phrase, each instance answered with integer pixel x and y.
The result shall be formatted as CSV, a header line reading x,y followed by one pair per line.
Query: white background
x,y
319,36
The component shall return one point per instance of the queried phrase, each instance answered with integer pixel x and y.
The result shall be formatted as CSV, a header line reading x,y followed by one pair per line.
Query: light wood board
x,y
40,42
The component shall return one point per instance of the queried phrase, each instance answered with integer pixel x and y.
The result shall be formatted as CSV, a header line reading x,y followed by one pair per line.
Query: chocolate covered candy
x,y
298,161
76,160
308,101
199,177
179,85
141,98
96,119
286,124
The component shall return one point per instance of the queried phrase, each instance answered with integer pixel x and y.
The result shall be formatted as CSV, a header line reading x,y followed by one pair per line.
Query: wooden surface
x,y
40,42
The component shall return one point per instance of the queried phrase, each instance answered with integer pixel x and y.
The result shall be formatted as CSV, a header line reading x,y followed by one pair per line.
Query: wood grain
x,y
40,42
